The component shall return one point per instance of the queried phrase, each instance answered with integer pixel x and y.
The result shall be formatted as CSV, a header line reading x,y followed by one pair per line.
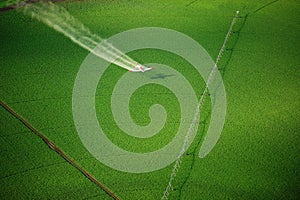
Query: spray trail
x,y
59,19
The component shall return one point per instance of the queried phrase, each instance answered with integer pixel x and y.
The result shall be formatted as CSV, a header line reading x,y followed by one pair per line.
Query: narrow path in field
x,y
17,5
190,3
58,150
264,6
194,155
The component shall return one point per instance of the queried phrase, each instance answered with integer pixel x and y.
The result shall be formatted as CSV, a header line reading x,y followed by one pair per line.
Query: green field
x,y
257,156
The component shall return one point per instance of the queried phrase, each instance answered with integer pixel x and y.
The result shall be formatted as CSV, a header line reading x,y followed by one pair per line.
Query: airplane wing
x,y
134,70
148,68
139,70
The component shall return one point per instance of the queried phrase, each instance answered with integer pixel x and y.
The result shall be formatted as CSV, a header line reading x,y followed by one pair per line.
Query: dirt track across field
x,y
23,3
58,150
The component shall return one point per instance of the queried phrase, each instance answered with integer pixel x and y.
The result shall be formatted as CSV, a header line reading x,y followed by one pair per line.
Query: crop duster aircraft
x,y
140,68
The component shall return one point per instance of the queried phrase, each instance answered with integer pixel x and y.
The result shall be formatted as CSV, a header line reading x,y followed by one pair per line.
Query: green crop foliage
x,y
257,156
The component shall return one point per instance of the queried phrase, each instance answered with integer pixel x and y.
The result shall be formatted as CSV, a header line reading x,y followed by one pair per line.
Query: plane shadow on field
x,y
161,76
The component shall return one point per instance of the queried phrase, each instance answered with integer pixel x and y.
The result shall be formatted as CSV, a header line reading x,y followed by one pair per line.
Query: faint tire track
x,y
58,150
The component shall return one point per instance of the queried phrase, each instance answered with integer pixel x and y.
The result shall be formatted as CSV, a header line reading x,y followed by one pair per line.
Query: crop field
x,y
257,155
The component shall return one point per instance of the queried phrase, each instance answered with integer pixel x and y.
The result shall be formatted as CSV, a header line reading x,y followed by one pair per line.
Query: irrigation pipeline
x,y
198,110
57,150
